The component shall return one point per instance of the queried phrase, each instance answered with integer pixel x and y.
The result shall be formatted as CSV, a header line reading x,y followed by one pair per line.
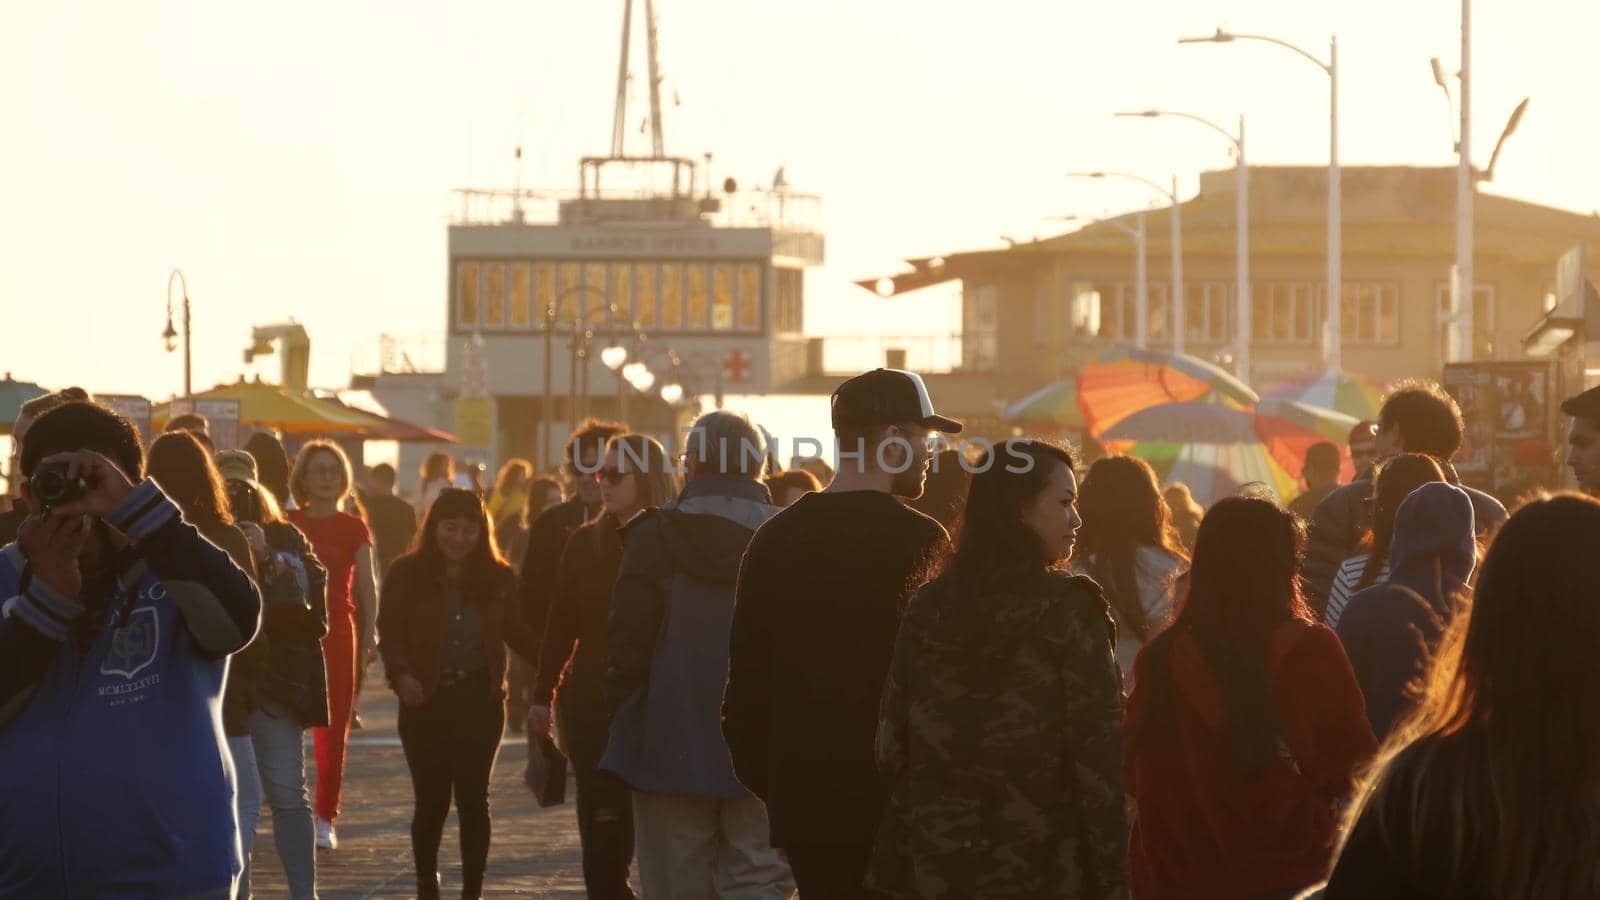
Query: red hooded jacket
x,y
1202,830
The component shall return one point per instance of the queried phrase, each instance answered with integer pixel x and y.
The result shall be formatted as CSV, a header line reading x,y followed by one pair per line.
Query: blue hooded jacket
x,y
1391,629
115,778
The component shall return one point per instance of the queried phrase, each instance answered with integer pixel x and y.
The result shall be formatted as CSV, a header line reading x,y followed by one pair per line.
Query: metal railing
x,y
924,353
399,354
781,210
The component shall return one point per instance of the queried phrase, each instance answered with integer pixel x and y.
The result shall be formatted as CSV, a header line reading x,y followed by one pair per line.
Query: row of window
x,y
667,296
1281,313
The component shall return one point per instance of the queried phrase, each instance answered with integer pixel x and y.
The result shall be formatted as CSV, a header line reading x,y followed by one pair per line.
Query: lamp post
x,y
1330,330
1242,299
1140,289
1463,290
547,407
170,334
1175,299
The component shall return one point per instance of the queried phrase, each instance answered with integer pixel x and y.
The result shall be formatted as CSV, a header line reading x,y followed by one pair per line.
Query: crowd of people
x,y
914,673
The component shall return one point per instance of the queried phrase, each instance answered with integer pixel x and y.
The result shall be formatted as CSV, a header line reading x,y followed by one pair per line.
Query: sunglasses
x,y
611,476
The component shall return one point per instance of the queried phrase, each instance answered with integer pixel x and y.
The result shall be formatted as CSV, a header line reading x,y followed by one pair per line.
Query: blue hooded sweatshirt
x,y
115,779
1391,629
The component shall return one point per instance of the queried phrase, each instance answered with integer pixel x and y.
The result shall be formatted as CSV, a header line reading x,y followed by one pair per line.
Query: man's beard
x,y
908,484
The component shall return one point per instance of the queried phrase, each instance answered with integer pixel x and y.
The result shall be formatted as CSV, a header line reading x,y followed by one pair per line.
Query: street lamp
x,y
1176,299
671,393
1330,332
169,335
1242,300
614,356
1462,287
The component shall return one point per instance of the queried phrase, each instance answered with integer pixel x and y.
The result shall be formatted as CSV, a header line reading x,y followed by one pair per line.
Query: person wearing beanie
x,y
1583,439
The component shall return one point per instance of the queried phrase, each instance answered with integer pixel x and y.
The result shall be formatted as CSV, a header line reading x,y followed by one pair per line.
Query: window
x,y
544,283
671,296
750,297
494,295
467,296
1283,312
790,302
1205,312
697,296
1369,313
645,294
1087,309
567,297
595,296
1483,320
722,297
622,294
521,296
980,337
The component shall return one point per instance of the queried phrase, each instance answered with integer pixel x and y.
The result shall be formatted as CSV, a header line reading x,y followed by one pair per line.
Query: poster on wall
x,y
1505,407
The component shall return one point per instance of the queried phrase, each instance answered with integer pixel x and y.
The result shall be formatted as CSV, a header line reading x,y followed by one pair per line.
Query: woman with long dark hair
x,y
449,611
1129,547
321,483
998,733
634,476
180,464
1245,726
1492,788
290,690
1395,481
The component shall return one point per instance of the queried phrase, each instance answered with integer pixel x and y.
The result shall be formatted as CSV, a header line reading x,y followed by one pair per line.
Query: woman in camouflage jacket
x,y
999,731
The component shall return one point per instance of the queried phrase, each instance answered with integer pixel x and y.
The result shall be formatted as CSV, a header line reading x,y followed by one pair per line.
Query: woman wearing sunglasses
x,y
633,476
447,613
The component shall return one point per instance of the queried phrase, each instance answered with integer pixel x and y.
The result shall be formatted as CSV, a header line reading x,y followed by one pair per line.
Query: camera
x,y
50,486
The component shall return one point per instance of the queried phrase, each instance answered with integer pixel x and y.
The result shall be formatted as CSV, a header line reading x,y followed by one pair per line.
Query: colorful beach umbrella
x,y
1352,395
1125,380
1052,405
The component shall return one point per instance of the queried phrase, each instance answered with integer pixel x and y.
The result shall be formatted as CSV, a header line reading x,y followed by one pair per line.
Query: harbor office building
x,y
1040,309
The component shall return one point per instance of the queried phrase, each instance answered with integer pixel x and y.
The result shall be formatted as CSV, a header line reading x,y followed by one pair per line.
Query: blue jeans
x,y
246,801
281,758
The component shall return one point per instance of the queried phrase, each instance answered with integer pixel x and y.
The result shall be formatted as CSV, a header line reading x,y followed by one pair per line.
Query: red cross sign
x,y
738,365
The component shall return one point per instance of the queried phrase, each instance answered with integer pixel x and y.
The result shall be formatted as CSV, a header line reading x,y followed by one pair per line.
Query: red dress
x,y
1202,830
336,540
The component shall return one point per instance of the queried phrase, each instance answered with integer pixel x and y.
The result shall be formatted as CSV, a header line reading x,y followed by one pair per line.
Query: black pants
x,y
605,804
450,743
830,871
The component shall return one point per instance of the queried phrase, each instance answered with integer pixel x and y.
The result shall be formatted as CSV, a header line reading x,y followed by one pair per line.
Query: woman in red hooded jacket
x,y
1245,726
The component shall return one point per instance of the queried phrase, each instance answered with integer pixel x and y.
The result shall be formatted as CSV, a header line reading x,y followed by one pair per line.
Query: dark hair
x,y
1243,585
793,480
183,469
1323,456
1511,694
992,539
1123,511
272,464
481,563
81,425
188,422
42,404
945,490
537,483
382,472
1396,480
1428,418
592,433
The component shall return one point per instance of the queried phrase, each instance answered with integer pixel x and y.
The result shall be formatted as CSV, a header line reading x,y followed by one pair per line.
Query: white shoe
x,y
326,839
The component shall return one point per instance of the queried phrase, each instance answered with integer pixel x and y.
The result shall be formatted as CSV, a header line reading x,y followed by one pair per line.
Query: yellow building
x,y
1035,310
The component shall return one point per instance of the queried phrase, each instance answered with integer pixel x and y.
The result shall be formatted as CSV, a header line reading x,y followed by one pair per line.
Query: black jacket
x,y
547,538
1345,516
294,622
818,606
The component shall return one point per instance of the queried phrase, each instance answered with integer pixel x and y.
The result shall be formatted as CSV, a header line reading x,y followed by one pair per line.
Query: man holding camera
x,y
116,622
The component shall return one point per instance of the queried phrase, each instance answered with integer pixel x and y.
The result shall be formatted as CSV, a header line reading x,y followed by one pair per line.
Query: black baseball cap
x,y
1584,406
887,397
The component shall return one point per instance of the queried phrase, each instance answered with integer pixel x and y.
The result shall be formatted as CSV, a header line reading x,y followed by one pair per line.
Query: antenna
x,y
653,47
620,117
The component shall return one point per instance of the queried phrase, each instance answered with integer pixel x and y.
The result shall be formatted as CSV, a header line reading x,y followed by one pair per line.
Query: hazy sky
x,y
295,159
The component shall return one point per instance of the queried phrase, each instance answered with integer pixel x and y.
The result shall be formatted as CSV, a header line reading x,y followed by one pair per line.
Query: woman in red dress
x,y
320,483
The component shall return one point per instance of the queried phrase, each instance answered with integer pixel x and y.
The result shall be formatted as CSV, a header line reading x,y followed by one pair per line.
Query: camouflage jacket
x,y
1000,738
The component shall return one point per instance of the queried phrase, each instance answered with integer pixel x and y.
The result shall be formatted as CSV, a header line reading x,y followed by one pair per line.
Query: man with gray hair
x,y
698,832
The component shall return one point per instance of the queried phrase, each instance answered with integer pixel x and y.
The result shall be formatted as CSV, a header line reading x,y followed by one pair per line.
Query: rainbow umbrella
x,y
1288,429
1126,380
1216,448
1052,405
1352,395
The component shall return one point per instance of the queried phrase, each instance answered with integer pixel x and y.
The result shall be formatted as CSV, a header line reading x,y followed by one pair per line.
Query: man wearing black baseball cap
x,y
818,607
1583,440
